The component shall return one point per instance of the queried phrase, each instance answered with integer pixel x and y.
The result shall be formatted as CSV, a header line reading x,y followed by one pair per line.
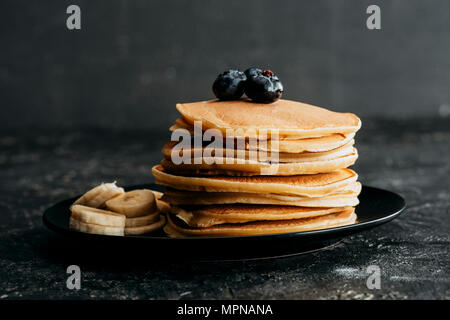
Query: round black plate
x,y
376,207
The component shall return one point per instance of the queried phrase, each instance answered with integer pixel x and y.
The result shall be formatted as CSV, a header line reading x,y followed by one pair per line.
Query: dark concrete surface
x,y
39,167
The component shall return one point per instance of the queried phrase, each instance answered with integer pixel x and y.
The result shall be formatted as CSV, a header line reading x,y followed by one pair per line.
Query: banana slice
x,y
158,195
134,203
97,216
163,206
94,228
97,196
142,221
146,229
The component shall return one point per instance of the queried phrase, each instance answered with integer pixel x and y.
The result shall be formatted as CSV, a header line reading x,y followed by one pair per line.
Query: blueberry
x,y
264,87
229,85
252,72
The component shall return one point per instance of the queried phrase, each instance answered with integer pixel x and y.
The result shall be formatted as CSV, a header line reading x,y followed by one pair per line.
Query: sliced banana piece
x,y
97,216
94,228
134,203
146,229
158,195
163,206
97,196
142,221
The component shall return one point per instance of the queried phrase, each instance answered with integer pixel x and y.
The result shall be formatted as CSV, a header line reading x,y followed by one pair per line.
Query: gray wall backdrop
x,y
133,60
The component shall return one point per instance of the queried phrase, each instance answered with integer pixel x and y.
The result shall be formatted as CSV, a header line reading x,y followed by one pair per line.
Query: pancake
x,y
341,198
294,145
288,144
238,134
344,200
250,167
319,144
289,118
206,216
302,185
194,153
176,228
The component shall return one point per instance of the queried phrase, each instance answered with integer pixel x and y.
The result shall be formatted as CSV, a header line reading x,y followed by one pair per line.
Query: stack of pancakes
x,y
282,168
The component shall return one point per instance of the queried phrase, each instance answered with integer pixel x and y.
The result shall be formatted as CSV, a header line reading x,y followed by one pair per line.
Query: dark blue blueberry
x,y
264,87
229,85
252,72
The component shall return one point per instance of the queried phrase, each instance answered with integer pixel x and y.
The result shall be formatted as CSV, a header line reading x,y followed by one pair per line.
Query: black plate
x,y
377,206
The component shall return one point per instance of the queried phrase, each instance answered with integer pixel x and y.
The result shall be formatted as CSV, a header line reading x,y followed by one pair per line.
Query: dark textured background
x,y
133,60
82,107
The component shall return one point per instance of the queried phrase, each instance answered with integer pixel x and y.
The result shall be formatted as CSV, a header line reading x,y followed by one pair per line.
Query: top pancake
x,y
288,117
182,124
